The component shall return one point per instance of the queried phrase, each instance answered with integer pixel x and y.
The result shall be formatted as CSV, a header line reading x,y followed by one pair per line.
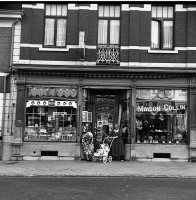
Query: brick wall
x,y
5,48
135,31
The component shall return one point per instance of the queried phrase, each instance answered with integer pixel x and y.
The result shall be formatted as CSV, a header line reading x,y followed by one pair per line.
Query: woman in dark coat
x,y
117,148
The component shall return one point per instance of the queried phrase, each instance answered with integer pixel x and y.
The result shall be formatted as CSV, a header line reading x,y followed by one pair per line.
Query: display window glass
x,y
161,116
50,120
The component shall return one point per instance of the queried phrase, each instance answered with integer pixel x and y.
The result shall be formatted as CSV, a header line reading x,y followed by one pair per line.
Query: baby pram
x,y
102,154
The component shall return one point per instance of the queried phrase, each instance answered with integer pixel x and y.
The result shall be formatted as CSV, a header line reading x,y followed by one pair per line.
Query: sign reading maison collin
x,y
165,107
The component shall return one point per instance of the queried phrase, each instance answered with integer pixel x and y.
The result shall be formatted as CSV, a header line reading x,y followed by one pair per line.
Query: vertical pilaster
x,y
129,111
20,108
19,123
192,124
133,120
79,123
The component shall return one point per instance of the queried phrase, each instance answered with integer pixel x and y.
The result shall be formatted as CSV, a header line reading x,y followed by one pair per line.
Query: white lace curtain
x,y
103,32
167,35
60,33
49,32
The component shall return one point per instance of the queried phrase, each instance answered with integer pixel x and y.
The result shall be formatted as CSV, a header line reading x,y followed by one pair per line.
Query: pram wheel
x,y
110,159
104,159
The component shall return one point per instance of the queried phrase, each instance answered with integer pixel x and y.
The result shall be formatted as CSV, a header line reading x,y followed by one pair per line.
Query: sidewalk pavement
x,y
86,168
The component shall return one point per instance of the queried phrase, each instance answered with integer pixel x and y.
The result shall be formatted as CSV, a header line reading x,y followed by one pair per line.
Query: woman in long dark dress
x,y
117,148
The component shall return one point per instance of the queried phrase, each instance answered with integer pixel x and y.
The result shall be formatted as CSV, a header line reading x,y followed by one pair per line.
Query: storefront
x,y
60,109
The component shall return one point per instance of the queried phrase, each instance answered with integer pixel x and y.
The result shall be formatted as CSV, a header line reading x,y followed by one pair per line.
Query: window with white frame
x,y
109,24
162,27
55,25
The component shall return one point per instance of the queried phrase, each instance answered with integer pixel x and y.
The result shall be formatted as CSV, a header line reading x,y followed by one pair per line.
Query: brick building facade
x,y
9,18
89,66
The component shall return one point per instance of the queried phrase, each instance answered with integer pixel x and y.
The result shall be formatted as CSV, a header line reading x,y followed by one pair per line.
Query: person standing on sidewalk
x,y
117,149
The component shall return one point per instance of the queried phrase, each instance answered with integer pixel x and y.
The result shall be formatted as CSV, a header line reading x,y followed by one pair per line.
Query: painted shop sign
x,y
165,107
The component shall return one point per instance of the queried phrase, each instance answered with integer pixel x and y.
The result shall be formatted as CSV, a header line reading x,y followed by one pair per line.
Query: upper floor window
x,y
109,25
108,34
55,25
162,27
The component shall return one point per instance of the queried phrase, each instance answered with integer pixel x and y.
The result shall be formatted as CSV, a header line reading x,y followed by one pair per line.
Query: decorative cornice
x,y
102,69
107,75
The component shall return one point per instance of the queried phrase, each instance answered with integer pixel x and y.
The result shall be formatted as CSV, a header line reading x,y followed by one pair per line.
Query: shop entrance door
x,y
105,114
107,107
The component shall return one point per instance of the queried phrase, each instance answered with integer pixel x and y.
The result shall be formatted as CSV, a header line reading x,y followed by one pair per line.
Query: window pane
x,y
64,10
48,7
58,10
154,11
117,11
49,32
53,9
106,11
111,11
161,116
159,11
165,8
114,31
167,34
44,123
102,31
100,11
155,32
61,32
170,12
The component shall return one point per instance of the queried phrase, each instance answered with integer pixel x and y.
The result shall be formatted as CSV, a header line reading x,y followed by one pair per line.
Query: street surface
x,y
96,188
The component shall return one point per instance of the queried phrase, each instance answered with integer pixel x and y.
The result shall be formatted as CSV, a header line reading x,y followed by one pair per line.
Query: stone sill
x,y
163,51
53,49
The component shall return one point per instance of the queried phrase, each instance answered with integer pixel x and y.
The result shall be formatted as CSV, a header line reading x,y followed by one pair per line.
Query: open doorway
x,y
103,108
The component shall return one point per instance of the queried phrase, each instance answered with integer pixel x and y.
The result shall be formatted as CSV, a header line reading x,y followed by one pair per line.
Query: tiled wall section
x,y
10,109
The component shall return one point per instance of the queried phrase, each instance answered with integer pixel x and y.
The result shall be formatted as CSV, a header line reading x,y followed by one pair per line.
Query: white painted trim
x,y
174,65
91,7
37,6
135,47
125,7
72,6
52,62
179,8
53,49
41,48
176,49
85,63
162,51
147,7
31,45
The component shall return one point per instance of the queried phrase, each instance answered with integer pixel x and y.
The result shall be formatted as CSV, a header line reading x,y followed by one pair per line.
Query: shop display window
x,y
50,120
161,116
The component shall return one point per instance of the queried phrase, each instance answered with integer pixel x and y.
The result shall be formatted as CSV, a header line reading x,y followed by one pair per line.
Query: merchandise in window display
x,y
161,116
44,123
